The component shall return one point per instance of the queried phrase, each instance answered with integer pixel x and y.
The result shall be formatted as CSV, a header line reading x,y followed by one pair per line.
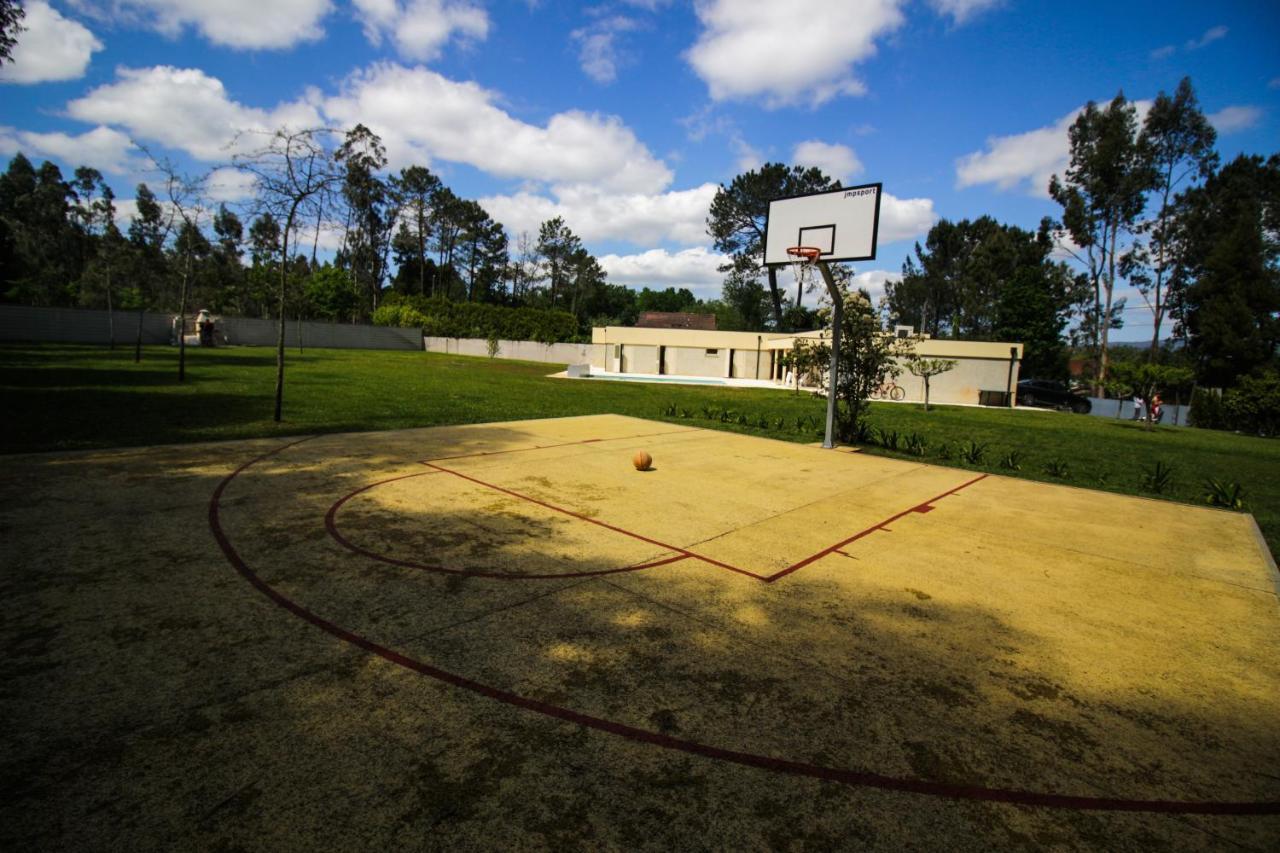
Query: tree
x,y
984,280
373,209
149,231
1102,194
1228,270
1179,141
11,15
296,176
868,357
556,248
926,369
1148,379
186,196
417,189
737,221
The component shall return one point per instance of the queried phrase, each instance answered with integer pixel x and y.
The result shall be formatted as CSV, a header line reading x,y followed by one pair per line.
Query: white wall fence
x,y
519,350
85,326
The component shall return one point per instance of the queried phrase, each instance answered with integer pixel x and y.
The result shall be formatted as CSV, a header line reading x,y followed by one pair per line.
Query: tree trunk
x,y
926,393
137,347
776,297
1110,285
284,278
182,319
111,317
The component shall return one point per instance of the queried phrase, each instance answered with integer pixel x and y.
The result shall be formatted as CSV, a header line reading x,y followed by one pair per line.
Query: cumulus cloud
x,y
421,28
596,215
696,268
51,48
185,109
873,281
1025,160
230,185
750,49
1233,119
961,11
249,24
835,161
904,218
103,148
422,115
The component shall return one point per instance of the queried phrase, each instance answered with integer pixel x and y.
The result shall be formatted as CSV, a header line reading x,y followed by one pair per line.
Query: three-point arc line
x,y
857,778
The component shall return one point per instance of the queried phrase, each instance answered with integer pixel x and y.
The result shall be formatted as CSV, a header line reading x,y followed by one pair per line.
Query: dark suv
x,y
1050,394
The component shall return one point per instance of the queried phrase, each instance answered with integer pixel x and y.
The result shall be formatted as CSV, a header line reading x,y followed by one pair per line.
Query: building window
x,y
713,352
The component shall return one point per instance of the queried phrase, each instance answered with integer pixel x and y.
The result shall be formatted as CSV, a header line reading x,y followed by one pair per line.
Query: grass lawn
x,y
64,397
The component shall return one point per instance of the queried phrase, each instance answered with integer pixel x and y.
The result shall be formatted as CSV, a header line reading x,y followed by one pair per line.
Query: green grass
x,y
62,397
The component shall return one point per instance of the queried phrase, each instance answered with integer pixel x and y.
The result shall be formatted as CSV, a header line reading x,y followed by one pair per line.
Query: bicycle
x,y
889,391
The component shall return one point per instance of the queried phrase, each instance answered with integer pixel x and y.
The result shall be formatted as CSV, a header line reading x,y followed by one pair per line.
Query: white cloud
x,y
598,51
421,115
250,24
904,218
749,157
1025,160
421,28
788,53
962,10
1164,52
230,185
836,161
102,148
1233,119
185,109
873,282
51,48
1208,37
595,215
1273,83
696,269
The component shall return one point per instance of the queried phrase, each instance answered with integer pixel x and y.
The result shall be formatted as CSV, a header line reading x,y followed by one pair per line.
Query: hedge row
x,y
439,317
1252,407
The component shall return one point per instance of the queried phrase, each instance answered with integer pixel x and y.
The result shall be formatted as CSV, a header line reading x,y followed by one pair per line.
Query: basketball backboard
x,y
841,223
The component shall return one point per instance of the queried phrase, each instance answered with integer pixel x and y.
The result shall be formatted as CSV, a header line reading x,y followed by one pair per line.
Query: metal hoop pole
x,y
837,312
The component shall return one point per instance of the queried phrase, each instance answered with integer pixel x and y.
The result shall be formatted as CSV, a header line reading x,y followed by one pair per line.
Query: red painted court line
x,y
331,525
552,446
845,776
926,506
664,545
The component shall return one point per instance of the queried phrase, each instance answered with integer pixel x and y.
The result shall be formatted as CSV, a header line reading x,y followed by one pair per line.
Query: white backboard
x,y
842,223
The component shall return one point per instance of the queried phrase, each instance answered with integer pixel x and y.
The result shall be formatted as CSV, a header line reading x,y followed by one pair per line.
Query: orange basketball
x,y
642,460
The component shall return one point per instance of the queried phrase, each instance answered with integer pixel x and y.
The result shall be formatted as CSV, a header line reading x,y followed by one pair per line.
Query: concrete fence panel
x,y
79,325
520,350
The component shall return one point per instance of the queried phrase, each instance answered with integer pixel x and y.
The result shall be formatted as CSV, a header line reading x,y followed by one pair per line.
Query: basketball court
x,y
506,634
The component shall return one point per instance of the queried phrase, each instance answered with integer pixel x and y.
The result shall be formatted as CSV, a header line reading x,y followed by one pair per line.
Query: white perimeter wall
x,y
592,354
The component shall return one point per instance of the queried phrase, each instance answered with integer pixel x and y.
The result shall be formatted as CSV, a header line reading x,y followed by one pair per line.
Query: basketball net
x,y
803,263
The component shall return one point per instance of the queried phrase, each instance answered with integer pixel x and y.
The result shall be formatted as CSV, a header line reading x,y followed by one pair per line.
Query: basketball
x,y
642,460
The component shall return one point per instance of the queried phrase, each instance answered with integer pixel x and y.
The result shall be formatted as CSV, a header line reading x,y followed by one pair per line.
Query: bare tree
x,y
187,204
296,176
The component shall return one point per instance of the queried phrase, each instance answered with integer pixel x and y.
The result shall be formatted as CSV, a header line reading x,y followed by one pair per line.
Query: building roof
x,y
676,320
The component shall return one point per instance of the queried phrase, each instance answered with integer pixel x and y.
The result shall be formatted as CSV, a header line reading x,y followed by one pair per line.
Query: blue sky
x,y
623,116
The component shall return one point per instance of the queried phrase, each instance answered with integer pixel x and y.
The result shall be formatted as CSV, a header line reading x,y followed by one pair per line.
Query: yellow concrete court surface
x,y
504,635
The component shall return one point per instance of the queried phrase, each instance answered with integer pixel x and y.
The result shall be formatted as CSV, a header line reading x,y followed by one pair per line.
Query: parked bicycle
x,y
889,391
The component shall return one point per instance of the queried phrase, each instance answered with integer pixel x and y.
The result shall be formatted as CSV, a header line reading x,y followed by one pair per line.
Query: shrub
x,y
973,453
1253,406
440,317
1224,493
1206,409
1159,479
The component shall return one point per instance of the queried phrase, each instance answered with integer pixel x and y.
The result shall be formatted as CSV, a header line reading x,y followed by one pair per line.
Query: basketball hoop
x,y
802,260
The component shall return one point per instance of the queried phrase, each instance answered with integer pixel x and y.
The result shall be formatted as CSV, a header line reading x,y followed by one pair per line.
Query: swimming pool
x,y
682,380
